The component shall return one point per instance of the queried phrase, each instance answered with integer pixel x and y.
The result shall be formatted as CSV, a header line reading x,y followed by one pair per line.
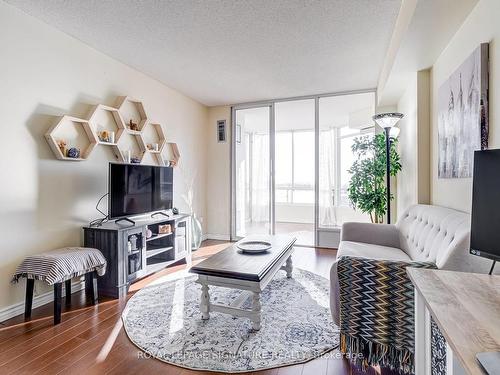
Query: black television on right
x,y
485,218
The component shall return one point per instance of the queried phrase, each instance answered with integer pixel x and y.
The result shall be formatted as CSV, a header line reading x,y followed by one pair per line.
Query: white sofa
x,y
423,233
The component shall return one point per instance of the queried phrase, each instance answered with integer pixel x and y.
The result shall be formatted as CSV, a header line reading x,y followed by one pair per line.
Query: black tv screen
x,y
485,220
138,189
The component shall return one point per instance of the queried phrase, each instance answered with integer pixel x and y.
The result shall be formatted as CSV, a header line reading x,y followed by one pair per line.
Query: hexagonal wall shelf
x,y
173,155
106,119
153,140
129,142
75,132
132,111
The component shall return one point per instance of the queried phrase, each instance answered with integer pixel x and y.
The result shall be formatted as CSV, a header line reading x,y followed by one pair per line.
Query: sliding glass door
x,y
252,177
341,120
290,165
294,150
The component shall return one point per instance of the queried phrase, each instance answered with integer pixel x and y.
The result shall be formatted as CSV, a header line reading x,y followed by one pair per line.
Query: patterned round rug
x,y
164,320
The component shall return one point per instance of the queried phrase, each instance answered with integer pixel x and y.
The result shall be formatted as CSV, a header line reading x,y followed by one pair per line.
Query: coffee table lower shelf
x,y
251,289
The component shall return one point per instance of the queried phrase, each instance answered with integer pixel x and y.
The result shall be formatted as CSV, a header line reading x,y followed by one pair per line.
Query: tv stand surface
x,y
159,213
126,219
144,256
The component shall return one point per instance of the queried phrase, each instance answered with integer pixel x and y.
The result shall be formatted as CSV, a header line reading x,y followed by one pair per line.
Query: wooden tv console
x,y
131,255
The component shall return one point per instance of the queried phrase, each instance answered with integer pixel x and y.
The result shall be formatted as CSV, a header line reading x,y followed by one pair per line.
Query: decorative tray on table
x,y
253,247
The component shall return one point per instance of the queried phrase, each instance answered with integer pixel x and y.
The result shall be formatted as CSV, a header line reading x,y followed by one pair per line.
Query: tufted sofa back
x,y
433,233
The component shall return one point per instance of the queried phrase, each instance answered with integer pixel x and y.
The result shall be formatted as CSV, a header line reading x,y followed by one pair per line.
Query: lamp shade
x,y
387,120
394,132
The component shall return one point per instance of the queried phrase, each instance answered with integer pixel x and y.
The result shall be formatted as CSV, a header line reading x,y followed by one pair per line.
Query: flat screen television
x,y
485,218
138,189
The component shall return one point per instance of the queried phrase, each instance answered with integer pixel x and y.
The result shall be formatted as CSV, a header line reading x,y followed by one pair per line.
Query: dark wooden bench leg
x,y
30,284
57,302
67,287
91,286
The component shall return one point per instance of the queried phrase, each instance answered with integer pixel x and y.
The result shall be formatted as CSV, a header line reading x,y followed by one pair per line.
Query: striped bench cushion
x,y
62,264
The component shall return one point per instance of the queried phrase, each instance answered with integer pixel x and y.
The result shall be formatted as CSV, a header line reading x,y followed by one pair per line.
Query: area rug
x,y
164,320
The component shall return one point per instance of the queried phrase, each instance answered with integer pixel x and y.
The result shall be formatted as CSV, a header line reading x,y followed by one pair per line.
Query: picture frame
x,y
463,115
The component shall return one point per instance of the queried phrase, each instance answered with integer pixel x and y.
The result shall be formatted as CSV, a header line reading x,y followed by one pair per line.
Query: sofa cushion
x,y
431,233
365,250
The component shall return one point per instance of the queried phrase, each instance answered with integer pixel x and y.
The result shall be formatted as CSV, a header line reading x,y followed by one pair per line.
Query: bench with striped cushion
x,y
58,266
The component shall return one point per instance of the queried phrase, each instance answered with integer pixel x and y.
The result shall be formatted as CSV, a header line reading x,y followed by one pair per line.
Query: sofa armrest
x,y
376,234
376,301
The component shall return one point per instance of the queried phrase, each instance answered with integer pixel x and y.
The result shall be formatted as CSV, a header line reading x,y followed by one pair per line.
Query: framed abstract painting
x,y
463,115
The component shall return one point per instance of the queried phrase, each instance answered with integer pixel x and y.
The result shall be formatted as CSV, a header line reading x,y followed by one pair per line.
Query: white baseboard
x,y
40,300
220,237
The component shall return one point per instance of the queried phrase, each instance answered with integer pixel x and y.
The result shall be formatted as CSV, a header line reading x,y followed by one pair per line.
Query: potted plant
x,y
367,188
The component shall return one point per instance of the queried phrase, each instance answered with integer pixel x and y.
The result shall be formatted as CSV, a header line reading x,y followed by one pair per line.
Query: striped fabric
x,y
377,312
62,264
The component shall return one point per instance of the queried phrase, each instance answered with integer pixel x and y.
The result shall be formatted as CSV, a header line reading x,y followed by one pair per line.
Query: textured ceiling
x,y
230,51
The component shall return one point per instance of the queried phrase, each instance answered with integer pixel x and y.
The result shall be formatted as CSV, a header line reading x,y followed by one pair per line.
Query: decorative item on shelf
x,y
133,125
133,241
73,153
103,136
149,233
156,147
61,143
135,160
150,147
126,156
164,229
175,211
106,136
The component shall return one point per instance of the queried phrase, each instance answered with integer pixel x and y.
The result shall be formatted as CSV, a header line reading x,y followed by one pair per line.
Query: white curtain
x,y
260,178
327,175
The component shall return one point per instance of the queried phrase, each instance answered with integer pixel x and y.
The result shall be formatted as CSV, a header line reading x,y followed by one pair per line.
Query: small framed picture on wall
x,y
221,131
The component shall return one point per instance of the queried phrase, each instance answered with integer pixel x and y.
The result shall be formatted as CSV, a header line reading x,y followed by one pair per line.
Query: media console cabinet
x,y
131,255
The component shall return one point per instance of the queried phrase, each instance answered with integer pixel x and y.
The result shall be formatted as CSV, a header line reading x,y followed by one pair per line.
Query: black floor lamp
x,y
387,121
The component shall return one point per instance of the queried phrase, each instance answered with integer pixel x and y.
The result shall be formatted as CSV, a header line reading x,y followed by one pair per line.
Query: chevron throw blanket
x,y
377,312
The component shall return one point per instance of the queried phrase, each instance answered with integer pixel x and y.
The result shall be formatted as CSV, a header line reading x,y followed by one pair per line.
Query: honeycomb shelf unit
x,y
105,118
129,142
76,132
173,155
132,110
83,134
153,134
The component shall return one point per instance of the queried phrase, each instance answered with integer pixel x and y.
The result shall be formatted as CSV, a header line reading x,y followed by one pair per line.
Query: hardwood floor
x,y
91,340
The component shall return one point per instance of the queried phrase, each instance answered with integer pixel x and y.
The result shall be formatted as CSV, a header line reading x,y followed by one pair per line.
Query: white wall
x,y
44,202
218,171
482,25
413,184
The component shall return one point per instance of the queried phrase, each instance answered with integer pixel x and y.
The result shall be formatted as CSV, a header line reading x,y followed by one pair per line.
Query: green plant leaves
x,y
367,190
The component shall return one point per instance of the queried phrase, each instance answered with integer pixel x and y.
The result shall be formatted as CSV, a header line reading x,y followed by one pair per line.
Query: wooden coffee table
x,y
250,273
